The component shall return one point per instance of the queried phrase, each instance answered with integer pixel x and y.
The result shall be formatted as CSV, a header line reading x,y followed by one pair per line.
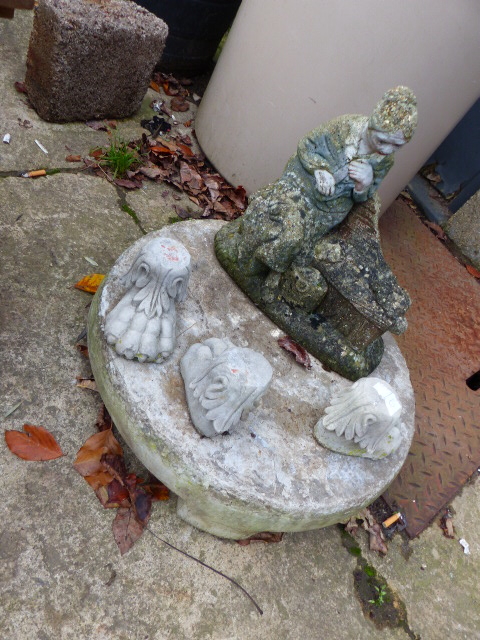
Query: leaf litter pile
x,y
169,158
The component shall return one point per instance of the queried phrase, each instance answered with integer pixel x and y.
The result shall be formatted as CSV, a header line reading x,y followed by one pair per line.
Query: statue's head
x,y
222,383
366,412
395,114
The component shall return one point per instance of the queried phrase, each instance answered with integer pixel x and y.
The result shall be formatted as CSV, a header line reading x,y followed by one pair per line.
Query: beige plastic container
x,y
289,65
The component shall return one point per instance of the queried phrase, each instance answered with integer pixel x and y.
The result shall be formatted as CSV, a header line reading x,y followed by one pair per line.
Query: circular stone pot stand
x,y
269,474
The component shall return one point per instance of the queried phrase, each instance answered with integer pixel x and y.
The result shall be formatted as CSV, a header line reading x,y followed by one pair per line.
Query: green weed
x,y
119,158
381,595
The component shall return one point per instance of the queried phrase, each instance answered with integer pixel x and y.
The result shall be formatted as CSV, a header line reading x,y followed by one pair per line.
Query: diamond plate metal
x,y
442,349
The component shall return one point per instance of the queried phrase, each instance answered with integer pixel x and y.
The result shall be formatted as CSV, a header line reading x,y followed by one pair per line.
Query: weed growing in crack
x,y
381,596
119,158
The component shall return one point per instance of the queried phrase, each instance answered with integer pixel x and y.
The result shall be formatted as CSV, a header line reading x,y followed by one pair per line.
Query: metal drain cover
x,y
442,349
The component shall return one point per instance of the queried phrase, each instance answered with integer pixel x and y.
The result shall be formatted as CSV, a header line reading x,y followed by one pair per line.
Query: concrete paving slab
x,y
156,204
442,598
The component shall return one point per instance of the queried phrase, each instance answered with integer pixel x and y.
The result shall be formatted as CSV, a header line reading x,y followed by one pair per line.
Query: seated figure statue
x,y
273,251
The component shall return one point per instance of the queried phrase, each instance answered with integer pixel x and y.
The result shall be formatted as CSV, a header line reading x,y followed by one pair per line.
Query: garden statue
x,y
307,250
142,324
362,420
222,384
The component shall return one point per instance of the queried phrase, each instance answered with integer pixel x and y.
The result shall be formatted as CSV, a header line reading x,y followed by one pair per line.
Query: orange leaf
x,y
154,86
88,461
35,444
472,271
159,149
185,150
157,490
90,283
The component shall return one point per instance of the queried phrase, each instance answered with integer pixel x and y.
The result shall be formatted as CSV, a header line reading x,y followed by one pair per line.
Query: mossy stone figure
x,y
307,249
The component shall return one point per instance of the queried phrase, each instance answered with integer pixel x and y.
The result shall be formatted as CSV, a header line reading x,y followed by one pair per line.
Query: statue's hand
x,y
325,182
361,172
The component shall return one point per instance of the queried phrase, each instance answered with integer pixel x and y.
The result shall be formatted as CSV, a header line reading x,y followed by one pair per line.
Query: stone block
x,y
463,229
91,59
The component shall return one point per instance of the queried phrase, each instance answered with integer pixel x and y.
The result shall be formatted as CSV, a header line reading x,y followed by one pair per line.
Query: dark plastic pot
x,y
195,30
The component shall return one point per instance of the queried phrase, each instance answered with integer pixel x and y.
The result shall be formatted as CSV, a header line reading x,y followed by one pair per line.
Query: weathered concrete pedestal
x,y
270,474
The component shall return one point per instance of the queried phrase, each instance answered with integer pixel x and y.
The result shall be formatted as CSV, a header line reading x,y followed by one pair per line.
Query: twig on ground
x,y
204,564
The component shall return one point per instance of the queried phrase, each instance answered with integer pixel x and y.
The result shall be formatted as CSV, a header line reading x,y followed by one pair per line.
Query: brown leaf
x,y
117,495
446,524
151,172
97,153
161,149
154,86
186,151
265,536
89,463
126,529
179,104
377,539
472,271
128,184
103,421
157,489
20,87
191,176
87,383
352,526
185,139
83,349
97,125
170,89
35,444
301,356
437,229
73,158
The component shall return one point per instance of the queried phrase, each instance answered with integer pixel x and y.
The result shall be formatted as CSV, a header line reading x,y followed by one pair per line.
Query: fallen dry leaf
x,y
97,125
472,271
126,529
179,104
73,158
35,444
97,153
301,356
128,184
87,383
156,489
83,349
437,229
264,536
154,86
89,463
446,523
377,539
104,421
90,283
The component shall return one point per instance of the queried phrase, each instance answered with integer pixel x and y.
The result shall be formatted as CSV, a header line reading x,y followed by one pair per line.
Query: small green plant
x,y
381,596
119,158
